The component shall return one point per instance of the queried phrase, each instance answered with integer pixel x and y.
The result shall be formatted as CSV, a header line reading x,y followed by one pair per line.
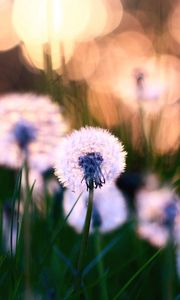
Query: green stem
x,y
27,230
123,289
18,220
169,274
84,242
100,267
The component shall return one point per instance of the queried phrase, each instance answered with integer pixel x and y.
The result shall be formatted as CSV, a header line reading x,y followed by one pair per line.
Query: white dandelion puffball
x,y
109,209
88,157
31,123
157,212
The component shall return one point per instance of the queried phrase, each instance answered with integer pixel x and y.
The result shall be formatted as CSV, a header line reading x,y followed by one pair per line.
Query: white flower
x,y
29,122
89,156
109,209
157,210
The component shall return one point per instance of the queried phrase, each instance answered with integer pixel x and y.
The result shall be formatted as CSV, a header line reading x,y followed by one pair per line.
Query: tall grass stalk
x,y
169,271
100,267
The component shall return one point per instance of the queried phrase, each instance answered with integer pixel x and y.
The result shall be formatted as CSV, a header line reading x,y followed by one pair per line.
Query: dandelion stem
x,y
85,235
100,267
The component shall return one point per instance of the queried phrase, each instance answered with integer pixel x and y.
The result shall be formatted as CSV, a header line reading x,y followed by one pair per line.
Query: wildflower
x,y
109,210
157,210
29,123
88,158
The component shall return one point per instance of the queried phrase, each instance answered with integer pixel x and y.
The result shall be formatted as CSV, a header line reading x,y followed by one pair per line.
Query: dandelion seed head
x,y
89,154
29,121
109,209
91,165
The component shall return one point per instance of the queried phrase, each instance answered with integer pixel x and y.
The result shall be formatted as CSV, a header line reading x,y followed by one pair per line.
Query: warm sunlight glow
x,y
34,54
56,23
59,23
84,61
174,23
115,53
53,19
167,138
8,36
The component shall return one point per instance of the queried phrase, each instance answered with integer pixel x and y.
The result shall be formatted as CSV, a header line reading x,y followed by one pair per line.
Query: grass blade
x,y
136,274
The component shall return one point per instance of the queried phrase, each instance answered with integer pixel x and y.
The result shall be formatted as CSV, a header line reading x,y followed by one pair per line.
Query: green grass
x,y
132,269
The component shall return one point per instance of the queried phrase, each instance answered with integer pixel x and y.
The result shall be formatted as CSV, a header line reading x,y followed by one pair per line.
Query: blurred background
x,y
112,64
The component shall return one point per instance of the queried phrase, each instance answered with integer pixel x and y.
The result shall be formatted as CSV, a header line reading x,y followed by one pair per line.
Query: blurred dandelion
x,y
153,81
29,123
158,209
109,210
89,155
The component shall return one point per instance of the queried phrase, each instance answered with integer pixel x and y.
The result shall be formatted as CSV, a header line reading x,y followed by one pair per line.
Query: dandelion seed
x,y
29,122
109,210
90,156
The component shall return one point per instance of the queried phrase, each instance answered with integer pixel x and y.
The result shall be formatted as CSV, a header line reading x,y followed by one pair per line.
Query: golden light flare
x,y
33,54
54,19
108,111
105,17
98,20
116,53
8,36
84,61
135,44
167,137
174,22
61,24
115,12
104,108
56,24
129,22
